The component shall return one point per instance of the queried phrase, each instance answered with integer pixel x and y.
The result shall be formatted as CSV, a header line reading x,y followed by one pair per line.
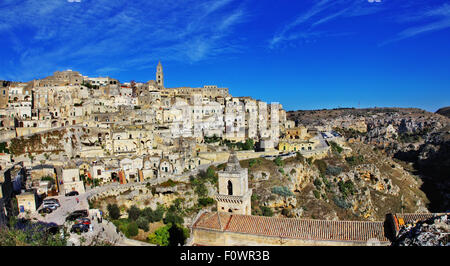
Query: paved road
x,y
104,231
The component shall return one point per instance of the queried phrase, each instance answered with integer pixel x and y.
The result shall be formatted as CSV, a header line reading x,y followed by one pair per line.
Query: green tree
x,y
205,201
160,237
248,145
142,223
132,229
211,175
201,190
31,234
177,235
133,213
173,218
113,211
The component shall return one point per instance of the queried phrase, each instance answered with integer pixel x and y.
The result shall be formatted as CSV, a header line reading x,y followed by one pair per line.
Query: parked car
x,y
51,203
84,213
72,193
74,216
45,210
79,228
83,220
51,206
51,200
77,214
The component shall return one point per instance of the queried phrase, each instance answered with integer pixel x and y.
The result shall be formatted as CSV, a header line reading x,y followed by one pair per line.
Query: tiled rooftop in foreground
x,y
292,228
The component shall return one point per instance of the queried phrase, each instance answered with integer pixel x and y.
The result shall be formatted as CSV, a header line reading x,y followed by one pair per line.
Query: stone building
x,y
69,179
234,195
27,202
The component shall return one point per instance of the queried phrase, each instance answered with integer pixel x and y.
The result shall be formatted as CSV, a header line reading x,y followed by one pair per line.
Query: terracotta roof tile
x,y
414,217
293,228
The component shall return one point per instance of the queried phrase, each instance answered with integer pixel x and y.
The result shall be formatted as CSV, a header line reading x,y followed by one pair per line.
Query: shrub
x,y
3,148
278,161
133,213
201,190
266,211
316,194
321,165
333,170
341,203
169,183
346,188
248,145
287,212
354,160
132,229
160,237
205,201
283,191
142,223
336,147
29,234
327,183
211,175
113,211
252,162
317,182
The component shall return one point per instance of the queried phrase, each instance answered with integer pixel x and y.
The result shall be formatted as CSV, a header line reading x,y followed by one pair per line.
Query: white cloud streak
x,y
115,34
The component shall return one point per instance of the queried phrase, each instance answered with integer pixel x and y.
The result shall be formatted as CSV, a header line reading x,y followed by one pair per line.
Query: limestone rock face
x,y
261,175
281,202
301,175
432,232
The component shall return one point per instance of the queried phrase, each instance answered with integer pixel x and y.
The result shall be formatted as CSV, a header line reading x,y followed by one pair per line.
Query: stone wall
x,y
24,131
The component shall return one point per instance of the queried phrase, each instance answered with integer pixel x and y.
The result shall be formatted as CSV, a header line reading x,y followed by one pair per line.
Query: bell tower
x,y
159,75
234,195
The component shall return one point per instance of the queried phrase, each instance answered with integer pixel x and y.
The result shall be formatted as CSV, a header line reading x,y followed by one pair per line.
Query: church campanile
x,y
234,195
159,75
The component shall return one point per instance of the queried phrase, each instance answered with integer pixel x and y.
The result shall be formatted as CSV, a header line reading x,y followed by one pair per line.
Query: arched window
x,y
230,188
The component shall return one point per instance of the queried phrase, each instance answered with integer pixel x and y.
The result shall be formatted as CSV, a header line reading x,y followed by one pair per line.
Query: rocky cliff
x,y
432,232
416,139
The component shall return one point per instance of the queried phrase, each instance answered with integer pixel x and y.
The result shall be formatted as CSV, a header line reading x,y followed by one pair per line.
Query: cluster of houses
x,y
129,132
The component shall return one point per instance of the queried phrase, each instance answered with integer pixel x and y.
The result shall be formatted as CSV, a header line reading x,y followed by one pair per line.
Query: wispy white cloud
x,y
431,19
424,17
303,27
115,34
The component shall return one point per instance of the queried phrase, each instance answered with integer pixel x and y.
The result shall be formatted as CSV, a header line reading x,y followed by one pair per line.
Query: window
x,y
230,188
99,172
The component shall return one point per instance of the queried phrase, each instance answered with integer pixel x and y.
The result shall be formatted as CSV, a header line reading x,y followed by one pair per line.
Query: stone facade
x,y
234,195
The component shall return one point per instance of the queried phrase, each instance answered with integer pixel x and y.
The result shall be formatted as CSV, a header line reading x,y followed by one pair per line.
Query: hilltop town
x,y
124,163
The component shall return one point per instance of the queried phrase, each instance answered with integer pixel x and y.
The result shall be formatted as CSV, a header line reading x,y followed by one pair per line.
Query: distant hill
x,y
445,111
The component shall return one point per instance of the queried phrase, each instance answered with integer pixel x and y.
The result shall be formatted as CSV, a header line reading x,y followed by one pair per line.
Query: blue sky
x,y
304,54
